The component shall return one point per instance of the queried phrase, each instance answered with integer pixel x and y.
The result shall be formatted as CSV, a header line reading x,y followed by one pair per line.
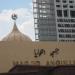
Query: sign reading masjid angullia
x,y
17,48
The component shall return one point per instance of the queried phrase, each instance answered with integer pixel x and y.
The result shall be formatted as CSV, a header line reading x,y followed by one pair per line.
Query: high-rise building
x,y
54,20
44,18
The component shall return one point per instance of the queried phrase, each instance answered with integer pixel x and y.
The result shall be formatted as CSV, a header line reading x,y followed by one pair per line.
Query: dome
x,y
16,35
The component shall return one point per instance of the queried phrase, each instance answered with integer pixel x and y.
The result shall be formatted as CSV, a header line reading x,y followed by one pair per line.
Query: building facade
x,y
54,20
18,49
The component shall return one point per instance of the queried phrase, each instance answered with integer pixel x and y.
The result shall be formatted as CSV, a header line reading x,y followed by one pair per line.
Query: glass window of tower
x,y
65,13
64,1
71,6
59,13
57,5
71,1
65,6
57,0
72,13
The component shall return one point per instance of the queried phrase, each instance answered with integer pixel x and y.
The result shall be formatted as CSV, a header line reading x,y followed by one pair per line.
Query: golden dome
x,y
16,35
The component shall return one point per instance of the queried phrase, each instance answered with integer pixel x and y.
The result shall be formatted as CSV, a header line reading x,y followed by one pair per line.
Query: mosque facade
x,y
17,48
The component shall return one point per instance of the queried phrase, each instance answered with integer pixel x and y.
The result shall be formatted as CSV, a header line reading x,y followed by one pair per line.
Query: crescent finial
x,y
14,16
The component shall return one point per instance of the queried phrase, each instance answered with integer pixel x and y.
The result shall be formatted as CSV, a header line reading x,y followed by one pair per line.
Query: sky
x,y
25,21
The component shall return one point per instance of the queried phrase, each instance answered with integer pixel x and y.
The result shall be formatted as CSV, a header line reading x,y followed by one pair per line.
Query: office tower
x,y
65,19
54,20
44,19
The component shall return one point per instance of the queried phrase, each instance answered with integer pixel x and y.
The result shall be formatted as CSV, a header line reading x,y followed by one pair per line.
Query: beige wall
x,y
11,52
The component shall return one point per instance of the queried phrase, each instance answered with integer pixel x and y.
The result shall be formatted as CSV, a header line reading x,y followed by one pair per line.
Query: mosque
x,y
18,49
